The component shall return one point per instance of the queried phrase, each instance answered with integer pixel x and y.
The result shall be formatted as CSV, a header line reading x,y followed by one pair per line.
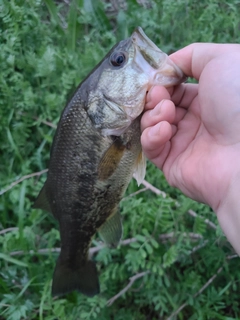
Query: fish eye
x,y
117,59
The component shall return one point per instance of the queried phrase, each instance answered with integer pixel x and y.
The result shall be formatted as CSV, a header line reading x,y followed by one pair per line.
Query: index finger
x,y
193,58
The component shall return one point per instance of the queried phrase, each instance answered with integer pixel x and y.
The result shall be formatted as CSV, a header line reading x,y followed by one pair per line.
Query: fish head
x,y
125,76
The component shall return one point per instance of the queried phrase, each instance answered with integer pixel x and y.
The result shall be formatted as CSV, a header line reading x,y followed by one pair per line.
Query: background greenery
x,y
181,263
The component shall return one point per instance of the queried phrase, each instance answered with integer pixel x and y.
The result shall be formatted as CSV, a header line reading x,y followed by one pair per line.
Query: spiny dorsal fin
x,y
111,230
42,201
140,168
111,159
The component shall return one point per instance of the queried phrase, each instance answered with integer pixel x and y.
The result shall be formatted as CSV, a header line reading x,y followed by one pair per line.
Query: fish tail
x,y
82,278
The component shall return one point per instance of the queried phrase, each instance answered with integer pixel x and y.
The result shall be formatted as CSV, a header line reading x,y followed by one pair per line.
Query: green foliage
x,y
47,48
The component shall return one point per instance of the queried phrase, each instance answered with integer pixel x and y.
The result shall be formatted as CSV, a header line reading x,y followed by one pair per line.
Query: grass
x,y
180,265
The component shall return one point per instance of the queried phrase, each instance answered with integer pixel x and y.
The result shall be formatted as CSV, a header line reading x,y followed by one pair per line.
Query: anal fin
x,y
111,230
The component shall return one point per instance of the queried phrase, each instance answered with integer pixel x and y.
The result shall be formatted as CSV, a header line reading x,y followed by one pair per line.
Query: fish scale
x,y
95,151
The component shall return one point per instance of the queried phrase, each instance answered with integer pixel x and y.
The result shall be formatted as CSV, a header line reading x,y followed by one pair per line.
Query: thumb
x,y
193,58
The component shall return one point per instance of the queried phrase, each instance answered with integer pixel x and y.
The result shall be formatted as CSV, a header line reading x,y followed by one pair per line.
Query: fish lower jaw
x,y
115,131
133,112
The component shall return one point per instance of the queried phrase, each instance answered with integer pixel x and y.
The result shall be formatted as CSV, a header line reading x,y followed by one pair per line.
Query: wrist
x,y
228,213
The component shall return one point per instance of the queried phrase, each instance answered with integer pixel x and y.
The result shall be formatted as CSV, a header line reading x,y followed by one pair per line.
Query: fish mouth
x,y
142,41
154,62
169,74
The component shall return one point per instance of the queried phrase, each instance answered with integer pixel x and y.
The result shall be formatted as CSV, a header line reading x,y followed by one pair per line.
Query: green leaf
x,y
154,243
53,10
140,238
72,26
148,248
7,258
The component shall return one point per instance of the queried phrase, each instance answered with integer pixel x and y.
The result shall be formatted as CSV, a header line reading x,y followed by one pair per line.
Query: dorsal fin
x,y
42,201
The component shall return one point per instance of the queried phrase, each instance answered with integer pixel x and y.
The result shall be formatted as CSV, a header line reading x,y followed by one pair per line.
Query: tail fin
x,y
83,279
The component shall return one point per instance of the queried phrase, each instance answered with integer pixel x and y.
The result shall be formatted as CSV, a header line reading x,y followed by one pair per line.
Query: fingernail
x,y
157,109
154,131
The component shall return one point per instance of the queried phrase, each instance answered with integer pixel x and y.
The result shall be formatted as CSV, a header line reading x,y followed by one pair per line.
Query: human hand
x,y
192,131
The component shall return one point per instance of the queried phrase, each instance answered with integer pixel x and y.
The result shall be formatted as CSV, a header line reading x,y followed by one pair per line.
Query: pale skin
x,y
192,132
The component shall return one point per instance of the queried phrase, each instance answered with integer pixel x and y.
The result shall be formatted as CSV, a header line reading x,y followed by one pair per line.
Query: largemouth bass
x,y
96,150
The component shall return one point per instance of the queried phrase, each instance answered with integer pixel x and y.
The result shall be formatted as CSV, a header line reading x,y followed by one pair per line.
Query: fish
x,y
95,152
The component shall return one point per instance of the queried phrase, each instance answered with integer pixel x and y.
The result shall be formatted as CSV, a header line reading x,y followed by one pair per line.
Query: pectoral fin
x,y
111,230
140,168
111,159
42,201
